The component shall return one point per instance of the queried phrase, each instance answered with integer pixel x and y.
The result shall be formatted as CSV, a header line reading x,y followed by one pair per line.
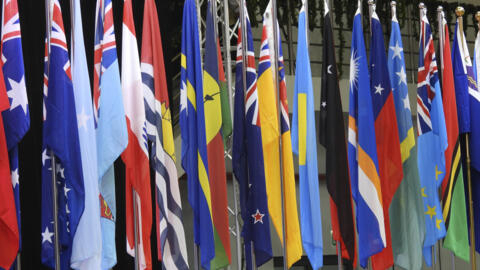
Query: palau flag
x,y
87,241
362,152
172,249
468,109
60,138
247,156
304,144
432,139
332,137
453,189
271,136
215,150
16,120
135,156
110,123
193,134
386,131
406,209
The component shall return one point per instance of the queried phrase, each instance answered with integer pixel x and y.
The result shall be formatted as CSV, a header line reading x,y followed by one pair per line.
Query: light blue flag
x,y
111,126
87,241
304,144
432,140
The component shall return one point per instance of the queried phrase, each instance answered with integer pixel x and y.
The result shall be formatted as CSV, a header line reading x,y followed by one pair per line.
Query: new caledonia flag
x,y
362,152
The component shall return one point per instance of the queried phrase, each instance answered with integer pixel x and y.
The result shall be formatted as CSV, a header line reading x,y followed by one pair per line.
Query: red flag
x,y
8,216
135,156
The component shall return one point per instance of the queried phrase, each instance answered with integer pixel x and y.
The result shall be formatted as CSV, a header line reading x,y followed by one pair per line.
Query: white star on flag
x,y
45,156
66,190
61,171
324,104
379,89
15,178
18,94
403,76
82,119
47,236
406,103
396,51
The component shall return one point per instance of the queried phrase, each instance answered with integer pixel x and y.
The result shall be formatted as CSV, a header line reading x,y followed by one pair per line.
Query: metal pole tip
x,y
393,3
439,9
459,11
477,16
421,5
371,2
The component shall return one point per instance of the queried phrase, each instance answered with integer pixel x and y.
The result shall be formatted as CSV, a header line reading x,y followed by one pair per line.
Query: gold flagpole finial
x,y
459,11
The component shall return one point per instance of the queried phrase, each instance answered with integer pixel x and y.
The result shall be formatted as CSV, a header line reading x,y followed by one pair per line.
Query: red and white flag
x,y
135,156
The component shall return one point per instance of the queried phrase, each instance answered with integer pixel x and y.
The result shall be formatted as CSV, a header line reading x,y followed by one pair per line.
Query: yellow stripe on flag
x,y
453,174
168,144
205,184
191,95
183,61
302,128
407,144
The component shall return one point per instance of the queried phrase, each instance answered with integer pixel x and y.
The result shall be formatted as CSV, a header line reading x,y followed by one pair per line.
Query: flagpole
x,y
52,155
228,69
459,11
279,106
135,229
410,39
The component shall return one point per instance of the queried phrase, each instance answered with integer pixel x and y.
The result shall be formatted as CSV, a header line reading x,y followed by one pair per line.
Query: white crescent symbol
x,y
328,69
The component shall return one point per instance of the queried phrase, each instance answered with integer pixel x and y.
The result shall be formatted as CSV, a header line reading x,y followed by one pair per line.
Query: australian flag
x,y
248,157
17,118
60,142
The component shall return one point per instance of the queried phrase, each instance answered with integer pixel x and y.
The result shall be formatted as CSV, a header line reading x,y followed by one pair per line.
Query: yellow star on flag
x,y
423,193
431,211
438,223
437,172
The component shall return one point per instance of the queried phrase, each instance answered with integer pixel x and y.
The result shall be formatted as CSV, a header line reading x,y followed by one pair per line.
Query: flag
x,y
304,144
60,139
227,125
168,207
453,192
247,156
271,136
17,118
332,137
212,103
193,134
432,139
135,157
9,232
406,209
110,123
468,109
87,241
362,152
386,131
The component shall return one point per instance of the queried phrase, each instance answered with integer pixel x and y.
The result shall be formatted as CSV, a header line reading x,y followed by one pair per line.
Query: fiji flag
x,y
247,157
432,139
17,118
60,138
194,142
362,152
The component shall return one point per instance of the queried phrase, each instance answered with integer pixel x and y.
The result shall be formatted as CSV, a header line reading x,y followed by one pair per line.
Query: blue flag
x,y
362,152
247,157
60,139
110,123
304,144
17,119
468,107
87,241
432,140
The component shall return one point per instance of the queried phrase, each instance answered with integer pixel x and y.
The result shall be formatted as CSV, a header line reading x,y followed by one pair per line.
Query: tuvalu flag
x,y
362,151
453,189
135,156
193,132
432,139
386,131
215,149
271,136
304,144
406,210
172,250
332,137
247,156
